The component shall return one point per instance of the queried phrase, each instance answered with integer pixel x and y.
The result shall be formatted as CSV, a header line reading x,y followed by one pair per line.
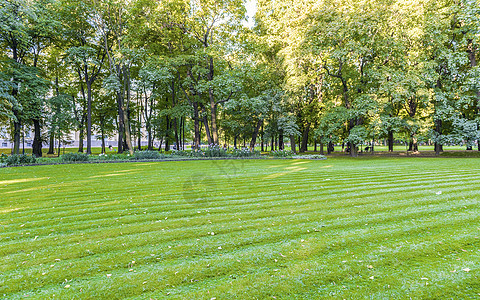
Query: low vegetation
x,y
242,229
73,157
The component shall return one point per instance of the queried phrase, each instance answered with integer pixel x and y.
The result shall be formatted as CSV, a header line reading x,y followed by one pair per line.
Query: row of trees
x,y
308,72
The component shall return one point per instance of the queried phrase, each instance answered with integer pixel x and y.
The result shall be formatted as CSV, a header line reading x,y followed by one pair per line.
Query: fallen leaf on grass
x,y
466,270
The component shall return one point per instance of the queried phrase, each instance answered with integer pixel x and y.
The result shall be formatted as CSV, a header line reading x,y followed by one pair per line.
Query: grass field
x,y
343,228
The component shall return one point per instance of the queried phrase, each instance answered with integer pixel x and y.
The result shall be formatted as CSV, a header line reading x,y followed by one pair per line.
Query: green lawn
x,y
343,228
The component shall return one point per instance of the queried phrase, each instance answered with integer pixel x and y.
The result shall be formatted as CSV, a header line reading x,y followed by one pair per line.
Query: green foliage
x,y
182,153
75,157
310,156
19,159
147,154
110,157
282,153
244,153
215,151
3,158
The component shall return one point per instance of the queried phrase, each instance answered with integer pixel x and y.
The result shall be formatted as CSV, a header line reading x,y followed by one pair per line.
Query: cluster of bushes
x,y
282,153
310,156
217,151
107,157
291,154
17,159
212,151
138,155
147,154
74,156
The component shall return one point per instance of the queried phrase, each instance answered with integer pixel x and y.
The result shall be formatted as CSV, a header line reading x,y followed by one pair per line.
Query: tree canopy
x,y
179,71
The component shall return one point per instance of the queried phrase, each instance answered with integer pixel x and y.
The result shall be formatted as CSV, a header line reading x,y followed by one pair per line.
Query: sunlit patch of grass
x,y
342,228
21,180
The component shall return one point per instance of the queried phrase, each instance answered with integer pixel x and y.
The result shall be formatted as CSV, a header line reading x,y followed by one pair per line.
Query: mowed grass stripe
x,y
113,205
123,221
107,221
259,212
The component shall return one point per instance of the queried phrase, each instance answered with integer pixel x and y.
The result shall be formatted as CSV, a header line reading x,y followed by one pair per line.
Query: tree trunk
x,y
37,140
330,148
415,144
89,117
102,131
213,105
128,135
438,130
263,142
207,130
306,131
353,150
149,134
255,134
82,133
390,140
51,146
17,129
175,130
281,144
292,144
121,123
321,149
196,126
167,134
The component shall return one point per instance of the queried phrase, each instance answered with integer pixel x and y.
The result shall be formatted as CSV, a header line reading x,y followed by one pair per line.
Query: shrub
x,y
312,156
215,151
74,156
282,153
147,154
19,159
181,153
197,153
48,160
107,157
3,158
244,153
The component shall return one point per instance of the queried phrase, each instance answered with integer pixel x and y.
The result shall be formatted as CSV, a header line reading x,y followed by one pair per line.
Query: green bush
x,y
282,153
310,156
181,153
215,151
244,153
147,154
3,158
75,156
108,157
19,159
197,153
48,160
